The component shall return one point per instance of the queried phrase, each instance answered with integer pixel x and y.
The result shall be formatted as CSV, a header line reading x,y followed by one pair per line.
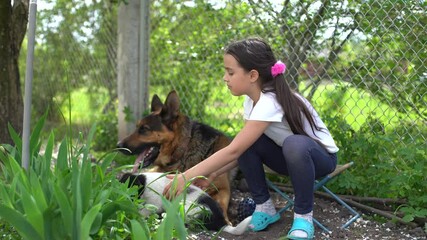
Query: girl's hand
x,y
175,186
203,182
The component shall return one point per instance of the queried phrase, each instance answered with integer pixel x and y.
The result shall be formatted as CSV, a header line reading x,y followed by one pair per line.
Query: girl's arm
x,y
223,159
224,169
204,183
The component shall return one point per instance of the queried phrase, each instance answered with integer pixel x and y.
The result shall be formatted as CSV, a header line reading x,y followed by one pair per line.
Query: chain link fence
x,y
361,63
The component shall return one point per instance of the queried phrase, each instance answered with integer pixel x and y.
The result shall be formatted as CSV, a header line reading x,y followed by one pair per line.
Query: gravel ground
x,y
329,213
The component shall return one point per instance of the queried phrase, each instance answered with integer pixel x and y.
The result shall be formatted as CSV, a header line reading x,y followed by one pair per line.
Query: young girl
x,y
282,130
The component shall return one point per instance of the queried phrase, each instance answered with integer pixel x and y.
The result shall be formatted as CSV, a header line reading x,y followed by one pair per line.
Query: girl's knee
x,y
293,144
295,141
294,147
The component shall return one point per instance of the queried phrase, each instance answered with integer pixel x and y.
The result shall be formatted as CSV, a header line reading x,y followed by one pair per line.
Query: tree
x,y
13,26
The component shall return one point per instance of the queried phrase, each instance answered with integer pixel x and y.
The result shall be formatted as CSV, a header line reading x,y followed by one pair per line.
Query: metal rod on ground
x,y
28,84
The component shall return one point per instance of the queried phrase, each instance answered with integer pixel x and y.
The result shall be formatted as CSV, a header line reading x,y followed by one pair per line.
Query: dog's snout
x,y
122,145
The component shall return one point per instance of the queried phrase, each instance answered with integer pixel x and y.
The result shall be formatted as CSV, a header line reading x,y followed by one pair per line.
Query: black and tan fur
x,y
168,141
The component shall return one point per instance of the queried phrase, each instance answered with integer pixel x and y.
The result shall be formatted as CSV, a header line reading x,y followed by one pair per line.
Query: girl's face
x,y
238,80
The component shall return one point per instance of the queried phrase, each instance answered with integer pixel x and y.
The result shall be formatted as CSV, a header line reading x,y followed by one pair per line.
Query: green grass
x,y
357,106
86,106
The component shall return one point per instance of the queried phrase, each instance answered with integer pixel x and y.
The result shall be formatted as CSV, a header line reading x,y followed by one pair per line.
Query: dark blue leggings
x,y
300,157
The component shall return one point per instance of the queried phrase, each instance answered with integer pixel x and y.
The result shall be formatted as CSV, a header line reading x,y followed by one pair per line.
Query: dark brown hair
x,y
256,54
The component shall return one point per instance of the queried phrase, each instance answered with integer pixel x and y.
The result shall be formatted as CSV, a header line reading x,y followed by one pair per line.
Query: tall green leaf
x,y
64,207
139,232
16,139
48,154
77,199
173,220
32,212
37,192
4,196
19,221
62,161
88,220
89,141
86,183
35,135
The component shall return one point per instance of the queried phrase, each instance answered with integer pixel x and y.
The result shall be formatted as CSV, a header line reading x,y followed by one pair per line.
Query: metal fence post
x,y
28,85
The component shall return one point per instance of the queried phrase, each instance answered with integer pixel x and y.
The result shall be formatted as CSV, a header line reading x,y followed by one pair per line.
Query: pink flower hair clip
x,y
278,68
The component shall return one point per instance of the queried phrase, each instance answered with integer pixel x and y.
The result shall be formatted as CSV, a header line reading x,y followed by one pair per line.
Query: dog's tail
x,y
240,228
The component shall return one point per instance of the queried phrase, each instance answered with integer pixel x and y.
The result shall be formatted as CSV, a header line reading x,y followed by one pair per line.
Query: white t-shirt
x,y
268,109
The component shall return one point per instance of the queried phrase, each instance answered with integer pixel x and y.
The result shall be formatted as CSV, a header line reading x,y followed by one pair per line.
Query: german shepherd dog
x,y
197,203
170,141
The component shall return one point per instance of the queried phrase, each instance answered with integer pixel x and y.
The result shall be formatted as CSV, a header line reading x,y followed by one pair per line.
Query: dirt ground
x,y
329,213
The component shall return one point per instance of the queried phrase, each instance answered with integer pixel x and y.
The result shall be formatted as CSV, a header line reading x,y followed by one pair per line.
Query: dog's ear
x,y
171,108
135,179
125,177
156,104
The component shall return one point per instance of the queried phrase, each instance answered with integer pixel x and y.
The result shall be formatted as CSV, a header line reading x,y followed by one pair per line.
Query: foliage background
x,y
361,63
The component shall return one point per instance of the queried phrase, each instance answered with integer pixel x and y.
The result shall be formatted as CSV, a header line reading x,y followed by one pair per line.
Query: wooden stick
x,y
379,212
288,188
360,206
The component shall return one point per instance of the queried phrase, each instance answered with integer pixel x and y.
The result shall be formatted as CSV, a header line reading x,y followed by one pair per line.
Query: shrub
x,y
71,198
389,163
74,198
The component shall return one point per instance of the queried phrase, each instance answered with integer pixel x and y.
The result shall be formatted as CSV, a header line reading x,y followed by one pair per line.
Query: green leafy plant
x,y
176,221
382,167
70,198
